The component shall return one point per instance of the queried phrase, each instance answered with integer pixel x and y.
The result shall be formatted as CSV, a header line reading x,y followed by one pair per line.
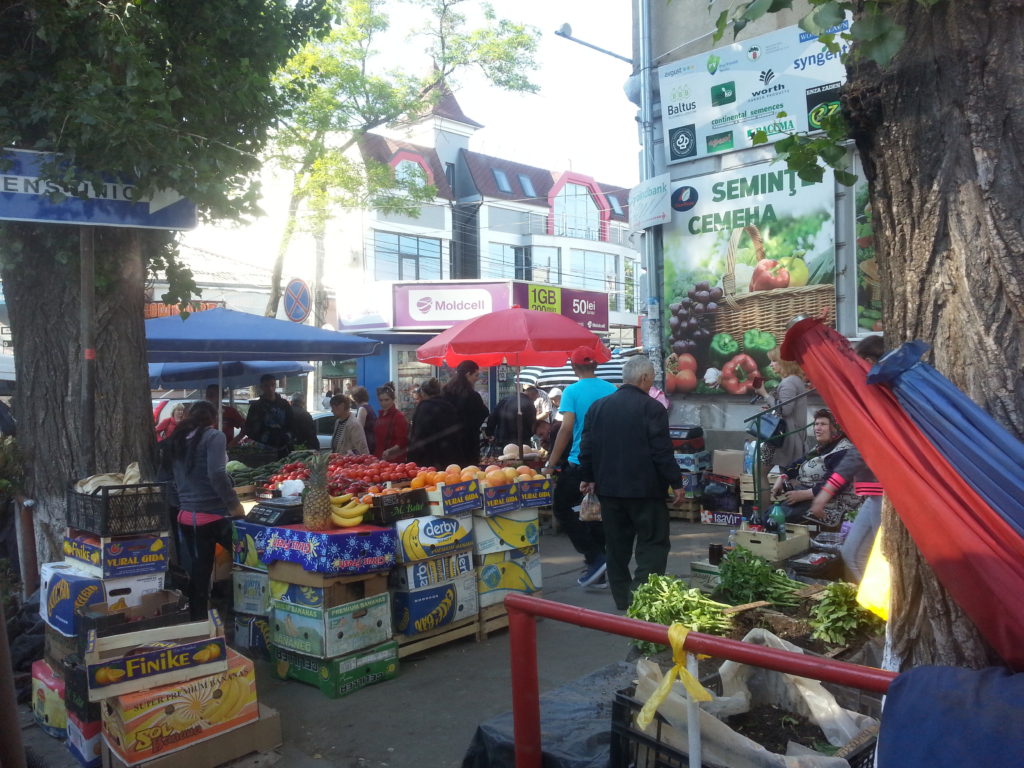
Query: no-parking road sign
x,y
298,301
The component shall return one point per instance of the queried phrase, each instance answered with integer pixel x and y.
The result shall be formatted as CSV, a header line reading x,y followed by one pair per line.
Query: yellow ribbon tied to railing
x,y
677,637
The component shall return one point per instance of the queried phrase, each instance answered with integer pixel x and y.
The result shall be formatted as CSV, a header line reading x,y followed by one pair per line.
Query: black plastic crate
x,y
632,748
119,510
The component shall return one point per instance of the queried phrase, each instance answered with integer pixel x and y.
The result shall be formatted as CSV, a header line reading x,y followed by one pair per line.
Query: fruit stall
x,y
377,560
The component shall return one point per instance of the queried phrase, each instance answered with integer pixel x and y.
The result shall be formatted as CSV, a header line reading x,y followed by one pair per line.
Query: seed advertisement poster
x,y
717,101
746,250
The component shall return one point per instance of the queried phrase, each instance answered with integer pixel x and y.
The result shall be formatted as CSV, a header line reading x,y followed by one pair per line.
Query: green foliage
x,y
667,600
12,467
837,617
747,578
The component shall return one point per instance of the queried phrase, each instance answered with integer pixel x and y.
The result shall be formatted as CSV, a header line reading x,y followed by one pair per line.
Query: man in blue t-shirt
x,y
586,537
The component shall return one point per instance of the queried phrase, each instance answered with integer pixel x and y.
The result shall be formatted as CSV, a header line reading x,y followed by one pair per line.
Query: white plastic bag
x,y
745,686
590,509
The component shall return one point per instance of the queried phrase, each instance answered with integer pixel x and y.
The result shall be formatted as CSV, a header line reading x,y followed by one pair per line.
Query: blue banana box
x,y
501,498
424,573
111,558
249,544
65,590
421,610
420,538
502,573
455,498
252,636
340,552
535,493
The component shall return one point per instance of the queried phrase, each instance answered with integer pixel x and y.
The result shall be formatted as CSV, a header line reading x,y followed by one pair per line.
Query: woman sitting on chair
x,y
801,481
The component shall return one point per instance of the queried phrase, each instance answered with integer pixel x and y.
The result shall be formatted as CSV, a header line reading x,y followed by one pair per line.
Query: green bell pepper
x,y
723,349
758,344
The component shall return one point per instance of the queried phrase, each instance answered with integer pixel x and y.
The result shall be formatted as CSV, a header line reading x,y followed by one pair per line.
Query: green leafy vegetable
x,y
668,600
838,616
746,578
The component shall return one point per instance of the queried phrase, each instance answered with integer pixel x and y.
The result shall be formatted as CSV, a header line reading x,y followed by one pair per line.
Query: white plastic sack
x,y
291,487
746,686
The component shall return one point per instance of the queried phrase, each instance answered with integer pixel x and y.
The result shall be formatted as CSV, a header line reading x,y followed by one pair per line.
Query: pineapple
x,y
316,500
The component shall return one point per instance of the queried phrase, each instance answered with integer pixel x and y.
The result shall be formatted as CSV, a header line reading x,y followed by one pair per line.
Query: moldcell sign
x,y
442,305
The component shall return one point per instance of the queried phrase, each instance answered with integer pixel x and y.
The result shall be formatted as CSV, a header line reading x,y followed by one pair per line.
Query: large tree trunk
x,y
938,132
41,284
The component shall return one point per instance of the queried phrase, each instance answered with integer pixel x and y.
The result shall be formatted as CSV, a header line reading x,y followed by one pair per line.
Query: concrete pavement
x,y
426,717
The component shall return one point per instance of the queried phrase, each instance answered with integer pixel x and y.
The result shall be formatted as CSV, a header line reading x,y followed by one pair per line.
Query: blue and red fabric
x,y
975,549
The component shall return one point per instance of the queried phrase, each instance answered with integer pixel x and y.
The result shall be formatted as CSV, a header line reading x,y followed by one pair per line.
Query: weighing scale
x,y
286,510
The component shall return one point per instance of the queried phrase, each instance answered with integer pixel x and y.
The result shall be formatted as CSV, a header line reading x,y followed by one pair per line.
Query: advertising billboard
x,y
779,83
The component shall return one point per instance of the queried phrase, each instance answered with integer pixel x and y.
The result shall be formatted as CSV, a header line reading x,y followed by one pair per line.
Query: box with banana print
x,y
109,558
330,632
341,676
501,573
505,531
421,610
151,723
423,537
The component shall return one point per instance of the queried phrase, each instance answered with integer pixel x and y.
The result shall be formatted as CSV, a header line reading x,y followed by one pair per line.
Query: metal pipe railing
x,y
522,626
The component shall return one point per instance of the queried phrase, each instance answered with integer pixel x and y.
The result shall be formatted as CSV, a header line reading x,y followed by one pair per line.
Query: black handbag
x,y
769,429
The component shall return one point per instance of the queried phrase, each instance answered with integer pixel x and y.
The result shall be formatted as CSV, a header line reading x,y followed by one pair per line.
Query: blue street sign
x,y
24,196
298,301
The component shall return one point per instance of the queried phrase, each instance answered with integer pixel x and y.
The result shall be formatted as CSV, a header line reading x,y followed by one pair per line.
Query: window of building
x,y
406,257
576,214
596,271
501,180
527,185
411,171
542,264
449,174
500,262
613,201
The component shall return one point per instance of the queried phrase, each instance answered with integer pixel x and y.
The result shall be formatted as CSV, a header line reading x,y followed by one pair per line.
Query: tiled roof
x,y
482,167
448,108
383,150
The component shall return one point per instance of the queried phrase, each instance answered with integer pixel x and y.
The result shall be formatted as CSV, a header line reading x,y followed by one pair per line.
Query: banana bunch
x,y
233,696
347,511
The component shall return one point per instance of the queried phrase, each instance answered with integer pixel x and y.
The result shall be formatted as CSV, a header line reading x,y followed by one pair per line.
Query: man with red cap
x,y
586,537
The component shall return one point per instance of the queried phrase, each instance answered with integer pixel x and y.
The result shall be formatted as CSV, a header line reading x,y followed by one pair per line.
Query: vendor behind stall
x,y
801,481
196,453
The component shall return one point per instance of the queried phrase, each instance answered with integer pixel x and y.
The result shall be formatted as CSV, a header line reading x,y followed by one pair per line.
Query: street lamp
x,y
566,31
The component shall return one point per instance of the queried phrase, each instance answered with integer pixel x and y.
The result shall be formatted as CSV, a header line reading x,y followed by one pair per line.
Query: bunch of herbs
x,y
746,578
838,617
668,600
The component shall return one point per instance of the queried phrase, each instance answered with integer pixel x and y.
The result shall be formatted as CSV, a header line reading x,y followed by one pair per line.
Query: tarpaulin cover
x,y
514,336
576,724
982,451
947,716
976,554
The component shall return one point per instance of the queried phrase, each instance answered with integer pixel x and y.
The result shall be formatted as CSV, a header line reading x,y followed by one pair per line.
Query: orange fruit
x,y
451,477
496,477
437,477
418,482
491,467
452,469
510,474
431,488
524,470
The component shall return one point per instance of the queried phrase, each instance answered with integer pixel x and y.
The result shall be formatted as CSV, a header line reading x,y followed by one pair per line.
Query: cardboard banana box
x,y
111,558
424,537
422,610
501,573
251,591
424,573
508,530
535,493
147,724
501,498
66,589
48,700
455,498
341,676
336,590
249,544
330,632
85,741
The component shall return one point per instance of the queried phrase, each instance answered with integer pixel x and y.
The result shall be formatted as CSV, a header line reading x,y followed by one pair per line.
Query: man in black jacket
x,y
626,459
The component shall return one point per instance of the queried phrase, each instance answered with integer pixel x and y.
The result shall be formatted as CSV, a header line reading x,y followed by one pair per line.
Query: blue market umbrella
x,y
987,457
232,374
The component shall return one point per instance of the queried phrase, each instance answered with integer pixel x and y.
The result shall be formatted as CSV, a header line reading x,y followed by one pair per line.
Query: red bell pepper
x,y
737,375
769,274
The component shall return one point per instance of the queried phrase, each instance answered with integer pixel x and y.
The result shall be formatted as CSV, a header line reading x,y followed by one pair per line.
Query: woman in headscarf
x,y
801,481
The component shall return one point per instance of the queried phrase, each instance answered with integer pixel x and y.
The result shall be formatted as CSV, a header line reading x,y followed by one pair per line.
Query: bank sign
x,y
716,102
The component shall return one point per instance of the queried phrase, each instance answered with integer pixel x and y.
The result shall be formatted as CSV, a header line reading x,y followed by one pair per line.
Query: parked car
x,y
324,423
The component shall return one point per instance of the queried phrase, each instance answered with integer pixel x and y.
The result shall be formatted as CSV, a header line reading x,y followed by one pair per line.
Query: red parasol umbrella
x,y
513,336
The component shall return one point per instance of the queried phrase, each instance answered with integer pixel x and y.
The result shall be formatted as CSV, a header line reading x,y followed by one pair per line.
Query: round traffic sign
x,y
298,301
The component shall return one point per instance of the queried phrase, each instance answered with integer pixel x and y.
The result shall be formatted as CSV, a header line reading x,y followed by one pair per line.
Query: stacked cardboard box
x,y
325,593
505,553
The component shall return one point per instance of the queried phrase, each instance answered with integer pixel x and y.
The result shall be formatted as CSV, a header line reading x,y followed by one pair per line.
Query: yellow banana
x,y
220,706
343,499
514,576
411,542
352,511
346,522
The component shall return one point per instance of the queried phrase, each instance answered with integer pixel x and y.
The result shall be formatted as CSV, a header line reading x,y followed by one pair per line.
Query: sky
x,y
580,120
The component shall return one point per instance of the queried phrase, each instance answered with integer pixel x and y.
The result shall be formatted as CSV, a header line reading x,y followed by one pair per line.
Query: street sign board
x,y
298,301
24,196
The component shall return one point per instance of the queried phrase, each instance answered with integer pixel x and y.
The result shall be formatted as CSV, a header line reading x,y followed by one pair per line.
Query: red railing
x,y
522,627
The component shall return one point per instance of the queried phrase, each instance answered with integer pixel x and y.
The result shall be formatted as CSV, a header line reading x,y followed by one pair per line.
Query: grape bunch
x,y
690,319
